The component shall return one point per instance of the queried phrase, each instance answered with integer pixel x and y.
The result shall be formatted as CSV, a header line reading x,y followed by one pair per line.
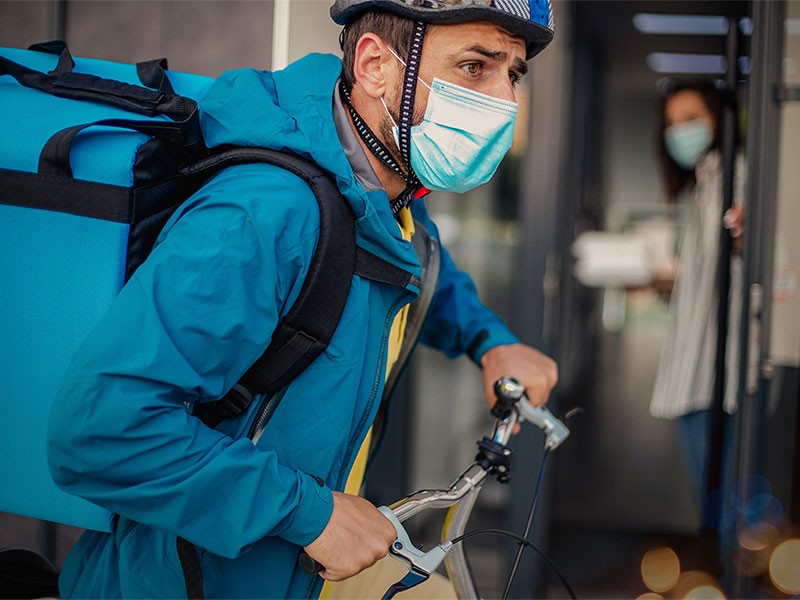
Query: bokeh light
x,y
696,584
756,543
650,596
750,505
661,569
784,567
705,592
748,488
758,536
763,508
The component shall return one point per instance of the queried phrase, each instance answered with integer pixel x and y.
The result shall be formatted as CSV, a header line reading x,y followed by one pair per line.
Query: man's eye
x,y
473,68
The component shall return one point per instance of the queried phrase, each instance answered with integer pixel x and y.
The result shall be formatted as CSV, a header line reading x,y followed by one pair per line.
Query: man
x,y
250,494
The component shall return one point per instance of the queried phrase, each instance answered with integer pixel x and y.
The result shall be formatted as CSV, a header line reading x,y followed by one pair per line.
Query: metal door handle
x,y
784,93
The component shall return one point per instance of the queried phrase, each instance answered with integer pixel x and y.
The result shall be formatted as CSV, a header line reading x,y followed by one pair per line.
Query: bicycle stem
x,y
469,480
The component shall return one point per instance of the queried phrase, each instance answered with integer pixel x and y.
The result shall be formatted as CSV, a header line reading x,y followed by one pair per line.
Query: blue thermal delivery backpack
x,y
94,158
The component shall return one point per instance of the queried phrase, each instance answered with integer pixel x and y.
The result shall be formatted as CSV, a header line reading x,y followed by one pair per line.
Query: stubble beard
x,y
387,137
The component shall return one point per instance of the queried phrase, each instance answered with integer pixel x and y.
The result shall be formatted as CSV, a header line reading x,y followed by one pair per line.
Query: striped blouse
x,y
685,379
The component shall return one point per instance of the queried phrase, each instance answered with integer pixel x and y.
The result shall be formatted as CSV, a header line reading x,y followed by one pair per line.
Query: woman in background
x,y
689,149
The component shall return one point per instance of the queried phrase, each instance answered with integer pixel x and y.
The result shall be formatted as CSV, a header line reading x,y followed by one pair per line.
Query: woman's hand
x,y
733,221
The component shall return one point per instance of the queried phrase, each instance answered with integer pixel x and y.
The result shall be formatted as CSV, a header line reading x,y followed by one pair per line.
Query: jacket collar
x,y
293,109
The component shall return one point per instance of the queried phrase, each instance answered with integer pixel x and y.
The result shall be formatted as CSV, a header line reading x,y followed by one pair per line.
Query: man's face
x,y
480,56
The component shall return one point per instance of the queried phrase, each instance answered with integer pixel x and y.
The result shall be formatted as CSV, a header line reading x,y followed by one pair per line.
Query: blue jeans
x,y
696,438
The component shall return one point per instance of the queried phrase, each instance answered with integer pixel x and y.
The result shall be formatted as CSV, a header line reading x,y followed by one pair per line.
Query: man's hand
x,y
537,372
356,537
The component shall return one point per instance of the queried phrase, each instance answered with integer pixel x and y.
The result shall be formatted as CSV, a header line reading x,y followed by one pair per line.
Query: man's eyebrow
x,y
519,65
493,54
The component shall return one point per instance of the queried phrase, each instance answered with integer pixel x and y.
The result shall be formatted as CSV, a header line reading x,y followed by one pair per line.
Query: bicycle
x,y
493,458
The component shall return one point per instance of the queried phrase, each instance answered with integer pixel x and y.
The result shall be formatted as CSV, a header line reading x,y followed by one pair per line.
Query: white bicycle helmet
x,y
530,19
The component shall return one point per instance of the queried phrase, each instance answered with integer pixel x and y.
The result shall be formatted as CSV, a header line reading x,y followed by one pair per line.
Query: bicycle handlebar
x,y
510,393
511,408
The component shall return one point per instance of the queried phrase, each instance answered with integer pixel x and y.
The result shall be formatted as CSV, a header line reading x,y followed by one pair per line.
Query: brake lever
x,y
420,564
554,430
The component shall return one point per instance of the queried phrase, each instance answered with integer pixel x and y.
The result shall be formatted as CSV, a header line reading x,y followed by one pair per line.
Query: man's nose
x,y
503,89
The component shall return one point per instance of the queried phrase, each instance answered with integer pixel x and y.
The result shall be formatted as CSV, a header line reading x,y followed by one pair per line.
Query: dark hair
x,y
392,29
676,178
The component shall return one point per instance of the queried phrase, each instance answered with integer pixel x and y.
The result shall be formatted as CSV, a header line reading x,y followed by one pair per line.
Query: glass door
x,y
761,542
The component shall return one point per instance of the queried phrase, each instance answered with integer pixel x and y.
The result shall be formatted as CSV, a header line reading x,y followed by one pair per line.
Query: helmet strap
x,y
410,92
413,188
368,136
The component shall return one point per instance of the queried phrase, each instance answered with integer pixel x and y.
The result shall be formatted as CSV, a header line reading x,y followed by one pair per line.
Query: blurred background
x,y
561,244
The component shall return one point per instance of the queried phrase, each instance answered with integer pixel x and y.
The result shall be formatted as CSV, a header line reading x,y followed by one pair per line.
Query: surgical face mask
x,y
687,142
462,137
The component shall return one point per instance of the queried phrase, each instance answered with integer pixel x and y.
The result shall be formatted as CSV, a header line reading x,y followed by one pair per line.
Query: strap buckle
x,y
235,402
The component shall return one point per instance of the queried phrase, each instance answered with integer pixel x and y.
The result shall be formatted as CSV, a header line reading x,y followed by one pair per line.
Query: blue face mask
x,y
462,137
687,142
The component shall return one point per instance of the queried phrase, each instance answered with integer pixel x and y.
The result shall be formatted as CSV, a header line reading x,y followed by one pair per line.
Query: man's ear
x,y
371,65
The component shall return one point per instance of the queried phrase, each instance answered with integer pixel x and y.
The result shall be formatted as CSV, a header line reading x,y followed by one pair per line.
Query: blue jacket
x,y
189,324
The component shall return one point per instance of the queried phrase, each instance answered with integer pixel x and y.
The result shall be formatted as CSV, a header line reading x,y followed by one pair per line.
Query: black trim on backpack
x,y
84,198
375,268
55,156
81,86
65,63
192,571
153,74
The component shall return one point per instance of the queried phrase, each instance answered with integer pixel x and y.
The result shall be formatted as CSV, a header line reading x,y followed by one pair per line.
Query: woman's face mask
x,y
688,142
462,137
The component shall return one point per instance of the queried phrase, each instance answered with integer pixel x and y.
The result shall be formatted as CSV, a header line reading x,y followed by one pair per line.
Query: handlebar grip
x,y
508,392
309,565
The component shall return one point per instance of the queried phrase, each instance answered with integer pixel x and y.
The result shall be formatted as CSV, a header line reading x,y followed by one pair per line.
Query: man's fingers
x,y
356,537
538,388
537,372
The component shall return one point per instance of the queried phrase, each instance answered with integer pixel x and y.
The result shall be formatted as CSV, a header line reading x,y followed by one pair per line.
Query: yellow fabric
x,y
356,477
373,582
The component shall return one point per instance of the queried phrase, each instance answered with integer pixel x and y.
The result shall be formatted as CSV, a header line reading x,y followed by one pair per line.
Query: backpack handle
x,y
54,158
65,83
152,73
183,131
65,63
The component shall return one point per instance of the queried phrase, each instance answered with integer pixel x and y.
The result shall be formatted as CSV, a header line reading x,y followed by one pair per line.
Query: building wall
x,y
785,337
201,36
24,23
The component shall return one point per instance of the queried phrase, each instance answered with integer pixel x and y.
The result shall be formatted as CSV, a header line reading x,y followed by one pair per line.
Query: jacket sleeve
x,y
458,322
183,330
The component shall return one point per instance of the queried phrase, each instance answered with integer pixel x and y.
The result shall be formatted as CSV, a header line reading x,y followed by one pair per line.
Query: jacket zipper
x,y
412,334
387,326
265,411
315,581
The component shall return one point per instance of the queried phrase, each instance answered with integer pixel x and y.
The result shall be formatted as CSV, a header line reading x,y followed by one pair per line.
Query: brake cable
x,y
523,541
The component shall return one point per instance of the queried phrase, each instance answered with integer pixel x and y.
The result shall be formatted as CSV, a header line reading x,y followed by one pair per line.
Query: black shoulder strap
x,y
305,331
